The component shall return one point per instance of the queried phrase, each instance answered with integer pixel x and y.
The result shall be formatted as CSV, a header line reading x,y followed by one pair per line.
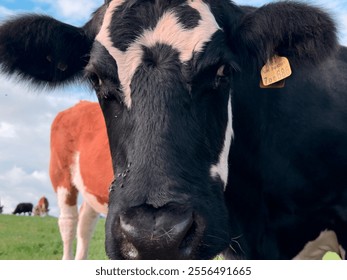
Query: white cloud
x,y
73,11
7,130
41,176
5,12
17,176
81,9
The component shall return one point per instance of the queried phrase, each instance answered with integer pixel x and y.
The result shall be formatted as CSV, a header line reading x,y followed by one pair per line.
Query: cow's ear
x,y
43,50
302,33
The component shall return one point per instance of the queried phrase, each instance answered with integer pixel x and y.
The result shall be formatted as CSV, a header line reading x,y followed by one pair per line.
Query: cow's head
x,y
163,72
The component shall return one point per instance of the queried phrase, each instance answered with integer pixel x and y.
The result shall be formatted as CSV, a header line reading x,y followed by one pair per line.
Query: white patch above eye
x,y
168,30
221,169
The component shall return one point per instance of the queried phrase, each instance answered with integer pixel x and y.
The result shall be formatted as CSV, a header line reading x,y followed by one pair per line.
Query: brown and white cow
x,y
41,209
80,163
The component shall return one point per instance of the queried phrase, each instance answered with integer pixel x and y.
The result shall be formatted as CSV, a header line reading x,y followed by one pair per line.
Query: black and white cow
x,y
205,160
23,208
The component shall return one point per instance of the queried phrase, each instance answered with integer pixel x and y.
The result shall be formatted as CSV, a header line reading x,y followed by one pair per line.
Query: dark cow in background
x,y
23,208
41,209
1,207
208,158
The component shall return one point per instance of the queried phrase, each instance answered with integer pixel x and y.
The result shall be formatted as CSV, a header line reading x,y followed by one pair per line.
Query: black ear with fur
x,y
300,32
43,50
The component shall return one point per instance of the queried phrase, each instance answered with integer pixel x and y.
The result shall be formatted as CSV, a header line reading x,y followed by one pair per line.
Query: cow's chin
x,y
128,252
151,250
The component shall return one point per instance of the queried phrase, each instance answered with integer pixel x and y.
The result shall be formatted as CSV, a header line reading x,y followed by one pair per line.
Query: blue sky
x,y
26,115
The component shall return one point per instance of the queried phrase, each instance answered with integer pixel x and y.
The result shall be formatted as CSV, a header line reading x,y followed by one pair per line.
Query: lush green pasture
x,y
38,238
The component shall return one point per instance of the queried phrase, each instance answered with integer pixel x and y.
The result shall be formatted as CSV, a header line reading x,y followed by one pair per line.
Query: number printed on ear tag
x,y
275,70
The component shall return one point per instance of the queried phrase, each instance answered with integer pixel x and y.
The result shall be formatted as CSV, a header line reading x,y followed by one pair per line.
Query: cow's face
x,y
161,72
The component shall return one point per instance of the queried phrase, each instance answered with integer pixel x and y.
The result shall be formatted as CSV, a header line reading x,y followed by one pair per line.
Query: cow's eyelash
x,y
102,89
96,84
93,79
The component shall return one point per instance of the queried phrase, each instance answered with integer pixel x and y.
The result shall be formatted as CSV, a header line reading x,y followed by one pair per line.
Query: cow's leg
x,y
67,200
88,218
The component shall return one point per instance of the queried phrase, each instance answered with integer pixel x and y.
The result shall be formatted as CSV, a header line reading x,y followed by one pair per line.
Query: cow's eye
x,y
222,75
224,71
95,81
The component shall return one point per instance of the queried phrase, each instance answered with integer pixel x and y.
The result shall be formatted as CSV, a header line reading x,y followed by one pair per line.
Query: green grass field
x,y
38,238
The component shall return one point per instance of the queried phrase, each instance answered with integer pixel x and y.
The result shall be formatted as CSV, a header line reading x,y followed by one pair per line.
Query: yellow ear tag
x,y
331,256
275,70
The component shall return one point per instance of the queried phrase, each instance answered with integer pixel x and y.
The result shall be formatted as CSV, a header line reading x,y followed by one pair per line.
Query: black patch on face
x,y
161,56
131,18
188,16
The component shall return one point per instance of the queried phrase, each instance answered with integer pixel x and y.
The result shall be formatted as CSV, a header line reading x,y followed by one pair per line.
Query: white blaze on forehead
x,y
168,31
221,169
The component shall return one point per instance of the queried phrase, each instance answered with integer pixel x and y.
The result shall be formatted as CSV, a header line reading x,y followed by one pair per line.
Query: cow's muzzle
x,y
149,233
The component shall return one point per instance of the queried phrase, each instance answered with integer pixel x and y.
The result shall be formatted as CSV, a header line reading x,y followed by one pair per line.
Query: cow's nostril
x,y
159,233
182,226
186,246
127,228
